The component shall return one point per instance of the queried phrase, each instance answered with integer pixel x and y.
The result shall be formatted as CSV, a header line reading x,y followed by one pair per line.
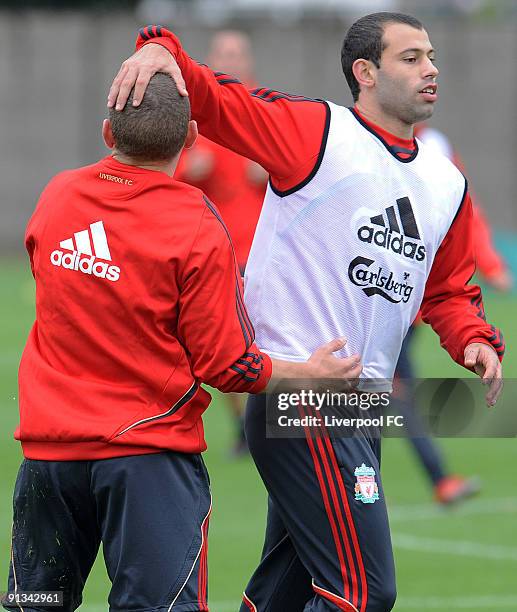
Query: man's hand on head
x,y
137,71
483,359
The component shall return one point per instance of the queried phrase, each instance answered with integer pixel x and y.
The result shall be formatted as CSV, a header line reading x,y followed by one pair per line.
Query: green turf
x,y
464,560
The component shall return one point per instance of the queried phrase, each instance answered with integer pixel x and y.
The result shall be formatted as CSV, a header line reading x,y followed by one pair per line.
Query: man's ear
x,y
364,73
107,134
192,134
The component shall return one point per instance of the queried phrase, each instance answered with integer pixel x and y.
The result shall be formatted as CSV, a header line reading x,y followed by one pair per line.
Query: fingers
x,y
138,76
336,345
491,366
355,371
115,86
347,370
495,389
324,365
350,364
496,386
175,73
485,362
123,84
137,71
331,347
142,80
345,375
471,356
479,370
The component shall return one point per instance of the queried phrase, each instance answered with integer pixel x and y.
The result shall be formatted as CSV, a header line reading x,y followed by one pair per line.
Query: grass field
x,y
458,560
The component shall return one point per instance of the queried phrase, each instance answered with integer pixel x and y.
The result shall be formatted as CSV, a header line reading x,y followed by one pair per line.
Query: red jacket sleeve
x,y
452,306
285,134
213,324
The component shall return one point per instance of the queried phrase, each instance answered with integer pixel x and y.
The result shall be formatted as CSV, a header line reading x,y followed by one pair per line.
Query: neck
x,y
390,124
168,167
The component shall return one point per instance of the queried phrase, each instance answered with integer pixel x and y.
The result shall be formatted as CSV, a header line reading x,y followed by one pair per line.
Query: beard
x,y
396,102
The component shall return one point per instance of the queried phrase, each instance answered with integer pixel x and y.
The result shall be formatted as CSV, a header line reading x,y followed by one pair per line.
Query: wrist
x,y
285,370
480,340
167,43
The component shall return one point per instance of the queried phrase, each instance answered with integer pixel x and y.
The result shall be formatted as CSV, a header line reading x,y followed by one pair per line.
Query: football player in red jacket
x,y
138,302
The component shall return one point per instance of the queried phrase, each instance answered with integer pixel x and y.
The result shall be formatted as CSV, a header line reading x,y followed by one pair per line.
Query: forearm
x,y
459,321
277,370
452,306
288,370
251,373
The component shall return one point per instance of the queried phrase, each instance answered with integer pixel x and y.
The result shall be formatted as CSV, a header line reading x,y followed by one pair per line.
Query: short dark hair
x,y
155,130
364,40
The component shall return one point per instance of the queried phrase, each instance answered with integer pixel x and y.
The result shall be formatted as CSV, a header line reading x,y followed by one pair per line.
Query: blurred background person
x,y
448,488
489,262
235,184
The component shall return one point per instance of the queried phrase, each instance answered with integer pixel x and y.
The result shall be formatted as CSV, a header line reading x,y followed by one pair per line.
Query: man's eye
x,y
410,59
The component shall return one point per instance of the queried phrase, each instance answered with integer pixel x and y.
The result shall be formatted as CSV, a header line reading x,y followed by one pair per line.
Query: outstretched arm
x,y
455,309
285,134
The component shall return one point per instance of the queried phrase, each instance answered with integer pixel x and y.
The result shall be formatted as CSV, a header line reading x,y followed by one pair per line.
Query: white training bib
x,y
348,254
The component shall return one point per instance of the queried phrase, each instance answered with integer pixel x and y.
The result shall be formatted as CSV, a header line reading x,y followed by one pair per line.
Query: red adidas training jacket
x,y
138,301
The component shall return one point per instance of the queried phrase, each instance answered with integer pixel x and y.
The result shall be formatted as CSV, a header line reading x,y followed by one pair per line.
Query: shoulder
x,y
436,160
213,216
448,183
437,141
191,206
348,129
186,197
59,185
73,176
62,179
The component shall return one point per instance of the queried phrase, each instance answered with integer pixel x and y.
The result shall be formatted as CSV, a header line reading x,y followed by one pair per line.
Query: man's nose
x,y
431,69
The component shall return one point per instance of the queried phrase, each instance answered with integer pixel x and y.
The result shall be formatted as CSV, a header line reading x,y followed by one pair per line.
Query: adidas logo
x,y
87,246
406,242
